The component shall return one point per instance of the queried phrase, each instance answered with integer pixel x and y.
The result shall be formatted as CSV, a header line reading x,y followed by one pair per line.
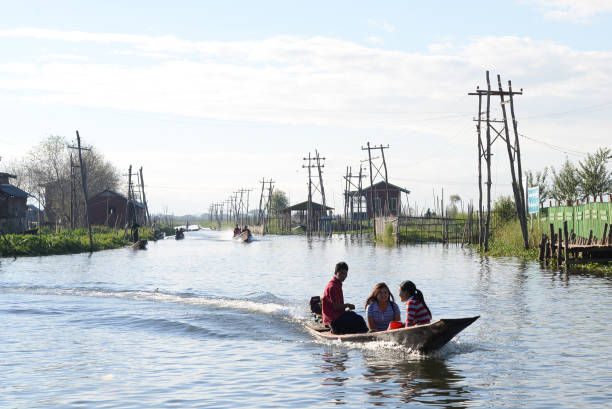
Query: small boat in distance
x,y
244,236
140,245
179,234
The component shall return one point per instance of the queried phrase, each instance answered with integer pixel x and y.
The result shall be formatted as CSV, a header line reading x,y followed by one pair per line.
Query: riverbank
x,y
507,241
66,242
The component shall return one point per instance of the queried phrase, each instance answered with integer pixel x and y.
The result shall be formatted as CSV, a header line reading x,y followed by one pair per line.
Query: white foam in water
x,y
271,308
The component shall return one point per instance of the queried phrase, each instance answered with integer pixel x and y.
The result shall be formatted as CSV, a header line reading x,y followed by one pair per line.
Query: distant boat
x,y
179,235
244,236
140,245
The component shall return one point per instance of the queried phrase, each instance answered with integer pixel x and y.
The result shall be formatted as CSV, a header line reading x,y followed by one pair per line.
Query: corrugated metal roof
x,y
304,206
380,186
12,190
108,192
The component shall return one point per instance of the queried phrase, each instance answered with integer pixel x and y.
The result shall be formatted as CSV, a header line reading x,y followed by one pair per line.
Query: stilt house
x,y
376,199
12,206
112,209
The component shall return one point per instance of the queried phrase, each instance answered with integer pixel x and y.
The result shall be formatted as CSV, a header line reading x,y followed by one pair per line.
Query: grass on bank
x,y
67,241
507,241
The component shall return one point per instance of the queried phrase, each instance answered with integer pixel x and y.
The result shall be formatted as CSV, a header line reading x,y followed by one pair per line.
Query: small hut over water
x,y
297,214
376,196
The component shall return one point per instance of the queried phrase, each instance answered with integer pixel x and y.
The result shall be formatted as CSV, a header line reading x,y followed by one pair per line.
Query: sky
x,y
211,97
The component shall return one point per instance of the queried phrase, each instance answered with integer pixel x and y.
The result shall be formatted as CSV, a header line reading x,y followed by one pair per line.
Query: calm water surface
x,y
210,322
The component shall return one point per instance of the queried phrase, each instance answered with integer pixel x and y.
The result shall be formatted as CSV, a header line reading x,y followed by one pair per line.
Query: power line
x,y
556,147
570,111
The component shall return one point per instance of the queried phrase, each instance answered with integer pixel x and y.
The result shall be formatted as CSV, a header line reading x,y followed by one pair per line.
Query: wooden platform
x,y
566,247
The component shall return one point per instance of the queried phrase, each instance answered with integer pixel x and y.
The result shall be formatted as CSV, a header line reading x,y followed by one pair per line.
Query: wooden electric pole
x,y
144,197
84,180
373,176
513,154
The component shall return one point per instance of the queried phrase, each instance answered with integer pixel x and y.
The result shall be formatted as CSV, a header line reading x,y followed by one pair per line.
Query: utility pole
x,y
309,211
144,198
517,150
349,199
513,152
346,198
130,213
324,210
382,153
481,153
248,192
373,176
84,180
72,193
73,183
265,202
314,162
269,207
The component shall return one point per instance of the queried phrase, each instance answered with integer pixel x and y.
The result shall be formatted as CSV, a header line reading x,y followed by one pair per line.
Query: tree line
x,y
589,178
49,174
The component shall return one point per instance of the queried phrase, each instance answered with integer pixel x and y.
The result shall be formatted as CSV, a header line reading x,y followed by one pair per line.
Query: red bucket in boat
x,y
396,325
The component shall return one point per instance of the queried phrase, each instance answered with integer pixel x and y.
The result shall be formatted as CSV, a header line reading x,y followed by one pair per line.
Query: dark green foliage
x,y
279,202
505,208
594,178
66,242
565,183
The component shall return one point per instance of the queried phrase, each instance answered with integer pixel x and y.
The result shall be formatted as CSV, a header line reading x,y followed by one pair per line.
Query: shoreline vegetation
x,y
75,241
507,241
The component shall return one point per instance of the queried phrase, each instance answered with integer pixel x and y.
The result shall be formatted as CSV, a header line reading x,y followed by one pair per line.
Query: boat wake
x,y
262,303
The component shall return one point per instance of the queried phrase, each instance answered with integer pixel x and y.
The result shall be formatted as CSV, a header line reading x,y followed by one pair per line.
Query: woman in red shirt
x,y
417,312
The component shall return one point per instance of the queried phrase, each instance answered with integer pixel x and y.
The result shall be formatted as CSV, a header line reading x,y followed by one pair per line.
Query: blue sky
x,y
210,97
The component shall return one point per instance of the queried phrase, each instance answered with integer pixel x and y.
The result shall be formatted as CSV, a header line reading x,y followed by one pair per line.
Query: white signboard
x,y
533,199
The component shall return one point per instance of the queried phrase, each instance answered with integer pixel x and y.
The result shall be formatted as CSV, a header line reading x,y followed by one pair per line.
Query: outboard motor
x,y
315,305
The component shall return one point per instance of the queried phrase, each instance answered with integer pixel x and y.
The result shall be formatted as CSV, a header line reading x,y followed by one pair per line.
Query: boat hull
x,y
140,245
423,338
245,236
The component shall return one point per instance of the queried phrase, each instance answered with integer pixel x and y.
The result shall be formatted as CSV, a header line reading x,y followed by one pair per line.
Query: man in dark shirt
x,y
334,308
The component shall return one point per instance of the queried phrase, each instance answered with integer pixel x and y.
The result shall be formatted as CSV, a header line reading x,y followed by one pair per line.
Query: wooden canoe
x,y
140,245
244,236
423,338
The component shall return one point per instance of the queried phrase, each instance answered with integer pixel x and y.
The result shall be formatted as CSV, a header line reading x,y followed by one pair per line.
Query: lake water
x,y
211,322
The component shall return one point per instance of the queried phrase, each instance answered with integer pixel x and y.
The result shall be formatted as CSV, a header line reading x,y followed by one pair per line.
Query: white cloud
x,y
298,80
415,101
442,47
381,25
374,40
580,11
63,57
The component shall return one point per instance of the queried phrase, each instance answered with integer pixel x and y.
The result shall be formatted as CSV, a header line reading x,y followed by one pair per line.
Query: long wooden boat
x,y
245,236
423,338
140,245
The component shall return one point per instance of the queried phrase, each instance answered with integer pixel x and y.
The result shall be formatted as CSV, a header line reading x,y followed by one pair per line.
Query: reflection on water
x,y
391,375
211,322
333,368
420,379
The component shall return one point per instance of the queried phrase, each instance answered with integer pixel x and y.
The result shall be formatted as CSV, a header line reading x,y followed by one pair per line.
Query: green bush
x,y
505,209
67,241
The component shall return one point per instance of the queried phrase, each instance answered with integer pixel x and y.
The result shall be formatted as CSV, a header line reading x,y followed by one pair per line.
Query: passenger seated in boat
x,y
417,312
334,308
381,308
236,230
